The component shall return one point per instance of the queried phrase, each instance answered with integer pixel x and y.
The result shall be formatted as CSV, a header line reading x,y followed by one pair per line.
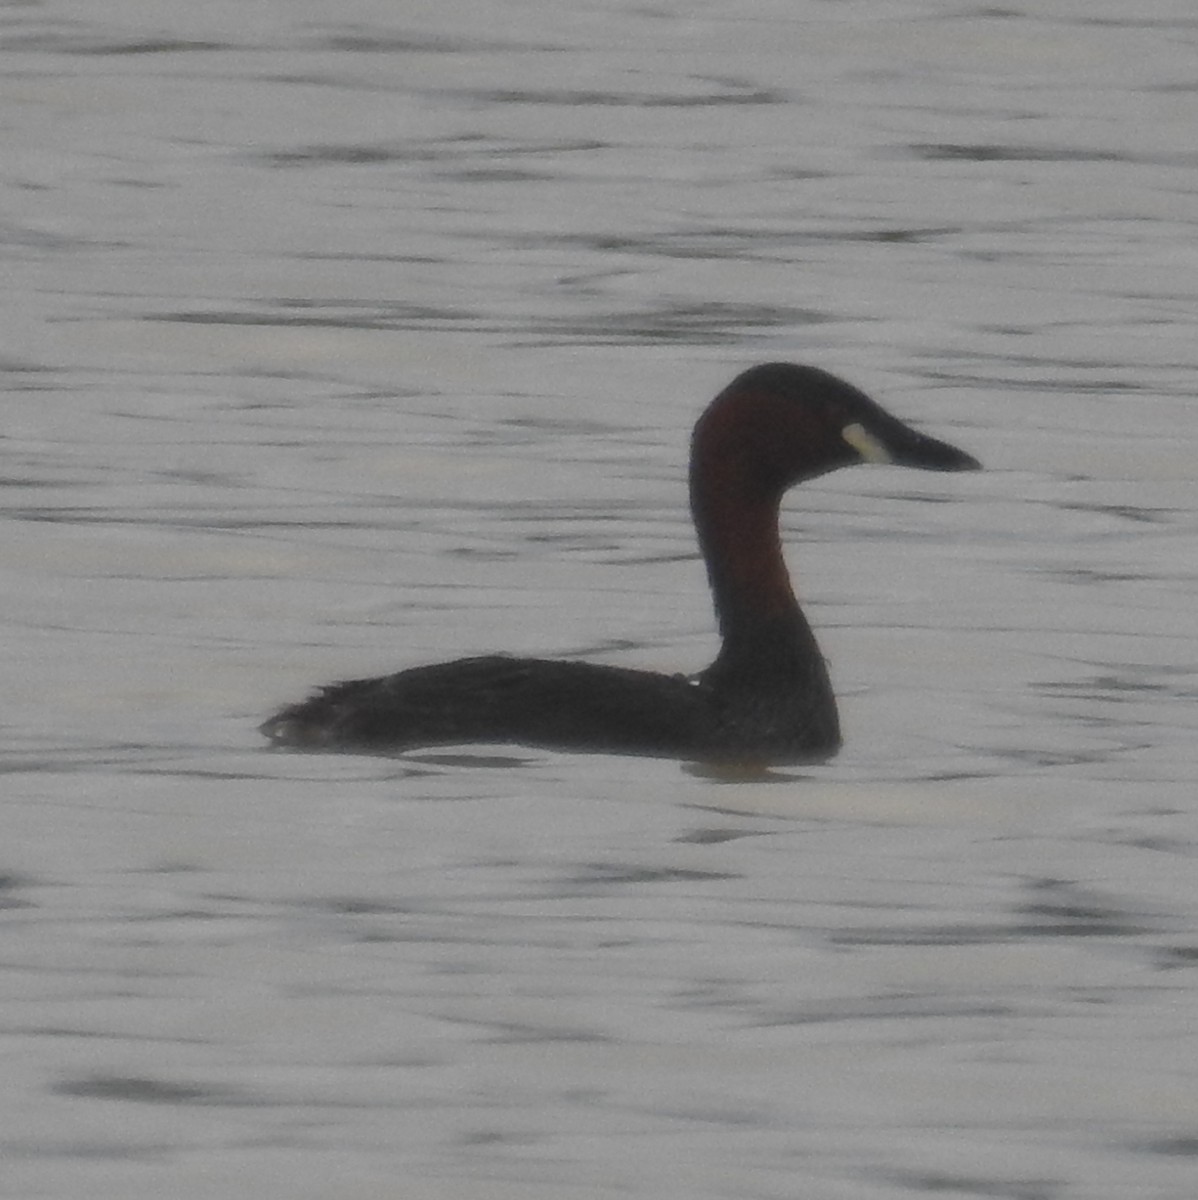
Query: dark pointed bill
x,y
890,441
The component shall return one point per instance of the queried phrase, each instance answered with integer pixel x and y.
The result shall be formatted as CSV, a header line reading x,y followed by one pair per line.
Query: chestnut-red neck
x,y
739,538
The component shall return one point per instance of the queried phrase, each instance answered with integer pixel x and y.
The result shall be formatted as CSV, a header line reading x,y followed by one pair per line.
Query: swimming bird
x,y
766,698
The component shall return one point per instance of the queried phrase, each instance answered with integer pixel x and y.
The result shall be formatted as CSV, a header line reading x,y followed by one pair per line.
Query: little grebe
x,y
766,698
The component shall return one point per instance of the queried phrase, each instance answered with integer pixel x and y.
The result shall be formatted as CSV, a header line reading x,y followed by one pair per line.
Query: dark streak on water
x,y
150,1091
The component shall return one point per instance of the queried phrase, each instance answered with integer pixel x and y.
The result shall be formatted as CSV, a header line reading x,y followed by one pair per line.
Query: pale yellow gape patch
x,y
865,443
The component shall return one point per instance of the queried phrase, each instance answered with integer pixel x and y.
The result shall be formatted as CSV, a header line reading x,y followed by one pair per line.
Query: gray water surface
x,y
340,338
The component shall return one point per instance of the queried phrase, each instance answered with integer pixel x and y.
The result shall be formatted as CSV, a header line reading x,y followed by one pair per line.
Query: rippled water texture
x,y
342,337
